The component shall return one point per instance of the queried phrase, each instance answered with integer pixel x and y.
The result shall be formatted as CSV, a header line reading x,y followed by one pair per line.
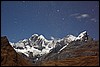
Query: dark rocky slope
x,y
9,57
75,54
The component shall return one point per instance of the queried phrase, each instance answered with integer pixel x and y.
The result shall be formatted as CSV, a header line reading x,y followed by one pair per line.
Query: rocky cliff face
x,y
75,54
9,57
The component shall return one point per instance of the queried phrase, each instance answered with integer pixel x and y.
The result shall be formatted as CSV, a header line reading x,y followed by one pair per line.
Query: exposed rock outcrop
x,y
9,57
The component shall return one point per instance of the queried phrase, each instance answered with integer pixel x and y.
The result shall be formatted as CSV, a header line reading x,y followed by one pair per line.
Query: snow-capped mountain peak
x,y
24,40
34,35
69,38
82,36
41,36
39,45
52,38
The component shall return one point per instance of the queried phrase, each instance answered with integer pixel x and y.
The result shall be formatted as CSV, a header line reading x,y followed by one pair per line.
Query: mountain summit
x,y
70,50
38,45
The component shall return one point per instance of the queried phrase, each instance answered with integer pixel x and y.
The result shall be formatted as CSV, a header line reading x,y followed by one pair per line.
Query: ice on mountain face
x,y
45,51
69,38
24,40
42,37
62,48
53,43
38,45
34,35
34,51
52,38
39,42
19,45
12,44
26,51
82,36
27,47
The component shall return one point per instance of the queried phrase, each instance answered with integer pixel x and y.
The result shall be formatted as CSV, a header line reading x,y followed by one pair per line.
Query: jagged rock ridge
x,y
38,45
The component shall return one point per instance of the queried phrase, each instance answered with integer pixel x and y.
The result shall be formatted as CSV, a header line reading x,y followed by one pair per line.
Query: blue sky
x,y
21,19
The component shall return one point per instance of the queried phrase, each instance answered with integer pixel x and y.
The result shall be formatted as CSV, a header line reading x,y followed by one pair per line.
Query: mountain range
x,y
38,45
67,51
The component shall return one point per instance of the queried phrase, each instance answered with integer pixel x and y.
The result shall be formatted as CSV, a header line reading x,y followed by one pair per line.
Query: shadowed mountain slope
x,y
77,53
9,57
86,54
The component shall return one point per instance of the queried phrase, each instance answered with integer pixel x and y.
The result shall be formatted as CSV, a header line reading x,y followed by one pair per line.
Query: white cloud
x,y
74,14
93,19
58,10
78,17
84,15
81,16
